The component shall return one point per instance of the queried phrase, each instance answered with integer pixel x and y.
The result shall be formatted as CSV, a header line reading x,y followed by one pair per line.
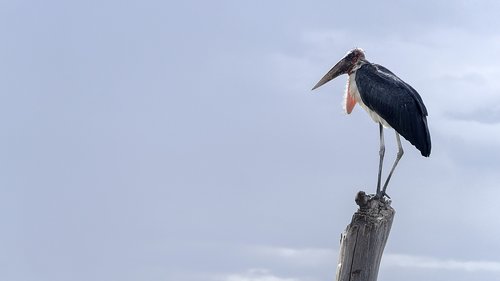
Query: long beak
x,y
340,68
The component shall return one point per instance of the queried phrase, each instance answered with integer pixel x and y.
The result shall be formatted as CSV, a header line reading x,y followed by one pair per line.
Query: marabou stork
x,y
389,101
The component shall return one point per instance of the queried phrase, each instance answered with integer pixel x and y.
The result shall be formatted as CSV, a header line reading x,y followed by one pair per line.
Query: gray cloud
x,y
149,140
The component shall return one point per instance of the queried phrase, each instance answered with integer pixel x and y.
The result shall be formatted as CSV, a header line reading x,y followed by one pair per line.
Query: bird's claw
x,y
381,195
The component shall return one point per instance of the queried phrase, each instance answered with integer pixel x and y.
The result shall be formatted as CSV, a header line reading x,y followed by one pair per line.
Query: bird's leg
x,y
381,153
398,156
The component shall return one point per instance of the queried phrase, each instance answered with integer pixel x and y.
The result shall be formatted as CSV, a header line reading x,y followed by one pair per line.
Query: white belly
x,y
352,89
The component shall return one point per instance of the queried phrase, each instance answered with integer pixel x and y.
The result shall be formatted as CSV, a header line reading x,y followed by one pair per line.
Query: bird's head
x,y
345,65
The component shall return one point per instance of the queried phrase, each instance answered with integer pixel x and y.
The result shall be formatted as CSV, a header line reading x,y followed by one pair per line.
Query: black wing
x,y
396,102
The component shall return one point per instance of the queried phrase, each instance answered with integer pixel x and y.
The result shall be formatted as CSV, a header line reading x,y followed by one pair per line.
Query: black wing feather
x,y
396,102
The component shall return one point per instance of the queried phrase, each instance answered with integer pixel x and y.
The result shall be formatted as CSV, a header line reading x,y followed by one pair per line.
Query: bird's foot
x,y
381,194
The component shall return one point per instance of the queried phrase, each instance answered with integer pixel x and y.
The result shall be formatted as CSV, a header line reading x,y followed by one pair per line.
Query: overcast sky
x,y
180,141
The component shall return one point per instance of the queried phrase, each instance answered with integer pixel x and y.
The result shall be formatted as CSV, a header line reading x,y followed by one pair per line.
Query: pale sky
x,y
180,141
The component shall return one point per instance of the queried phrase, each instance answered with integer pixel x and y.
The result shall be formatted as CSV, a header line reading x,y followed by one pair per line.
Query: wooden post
x,y
363,241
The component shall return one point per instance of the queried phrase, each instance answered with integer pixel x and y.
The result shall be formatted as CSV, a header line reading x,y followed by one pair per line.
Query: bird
x,y
388,100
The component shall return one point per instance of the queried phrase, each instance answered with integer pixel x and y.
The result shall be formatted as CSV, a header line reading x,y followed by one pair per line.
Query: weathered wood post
x,y
363,241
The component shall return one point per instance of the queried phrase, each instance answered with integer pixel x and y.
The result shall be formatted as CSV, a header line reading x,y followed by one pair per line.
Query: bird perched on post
x,y
389,101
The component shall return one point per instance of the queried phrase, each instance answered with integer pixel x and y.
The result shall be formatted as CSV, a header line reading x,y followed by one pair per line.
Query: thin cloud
x,y
253,275
475,132
409,261
302,257
318,256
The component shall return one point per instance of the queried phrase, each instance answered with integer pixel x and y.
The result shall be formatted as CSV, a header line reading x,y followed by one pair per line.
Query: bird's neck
x,y
357,65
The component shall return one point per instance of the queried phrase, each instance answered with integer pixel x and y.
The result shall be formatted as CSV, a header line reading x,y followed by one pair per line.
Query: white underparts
x,y
352,89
